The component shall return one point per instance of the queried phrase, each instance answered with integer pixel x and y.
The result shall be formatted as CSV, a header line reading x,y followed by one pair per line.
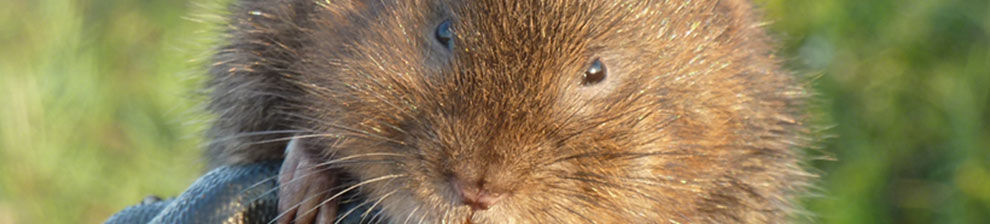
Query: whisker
x,y
612,155
297,137
421,218
357,207
411,214
386,177
629,182
300,178
378,217
379,201
250,134
359,156
348,129
259,183
443,219
326,166
605,183
291,209
315,172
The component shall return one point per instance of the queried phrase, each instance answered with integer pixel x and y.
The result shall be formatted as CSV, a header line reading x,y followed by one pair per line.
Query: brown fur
x,y
695,123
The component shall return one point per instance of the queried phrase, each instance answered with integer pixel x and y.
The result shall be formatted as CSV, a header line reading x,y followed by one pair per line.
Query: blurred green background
x,y
98,106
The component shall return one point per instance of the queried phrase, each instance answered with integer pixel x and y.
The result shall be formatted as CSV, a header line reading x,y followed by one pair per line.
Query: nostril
x,y
485,200
475,194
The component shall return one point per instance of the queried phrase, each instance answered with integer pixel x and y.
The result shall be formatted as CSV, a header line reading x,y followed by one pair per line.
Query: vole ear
x,y
305,187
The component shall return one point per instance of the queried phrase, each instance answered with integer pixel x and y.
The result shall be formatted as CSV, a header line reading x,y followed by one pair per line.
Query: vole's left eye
x,y
595,74
443,34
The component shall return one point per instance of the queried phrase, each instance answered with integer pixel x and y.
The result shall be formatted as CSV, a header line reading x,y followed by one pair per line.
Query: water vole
x,y
515,111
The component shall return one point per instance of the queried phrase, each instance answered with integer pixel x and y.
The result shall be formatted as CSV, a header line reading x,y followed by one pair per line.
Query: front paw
x,y
306,188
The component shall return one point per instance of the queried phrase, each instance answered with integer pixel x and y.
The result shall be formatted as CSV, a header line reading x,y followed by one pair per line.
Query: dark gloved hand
x,y
230,194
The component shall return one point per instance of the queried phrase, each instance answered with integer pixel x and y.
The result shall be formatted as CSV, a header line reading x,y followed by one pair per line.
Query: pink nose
x,y
476,195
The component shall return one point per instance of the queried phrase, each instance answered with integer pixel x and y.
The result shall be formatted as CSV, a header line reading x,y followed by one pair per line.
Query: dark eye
x,y
443,34
595,73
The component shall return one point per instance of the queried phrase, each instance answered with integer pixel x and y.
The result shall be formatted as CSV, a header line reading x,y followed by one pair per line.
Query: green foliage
x,y
99,105
98,109
907,86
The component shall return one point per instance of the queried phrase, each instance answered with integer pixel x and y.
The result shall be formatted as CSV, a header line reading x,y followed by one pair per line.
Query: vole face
x,y
539,111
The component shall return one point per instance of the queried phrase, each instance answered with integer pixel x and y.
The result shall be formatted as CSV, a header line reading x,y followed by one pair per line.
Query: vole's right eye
x,y
444,35
596,73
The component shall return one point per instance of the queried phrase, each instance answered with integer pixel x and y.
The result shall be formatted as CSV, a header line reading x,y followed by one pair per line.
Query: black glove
x,y
230,194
